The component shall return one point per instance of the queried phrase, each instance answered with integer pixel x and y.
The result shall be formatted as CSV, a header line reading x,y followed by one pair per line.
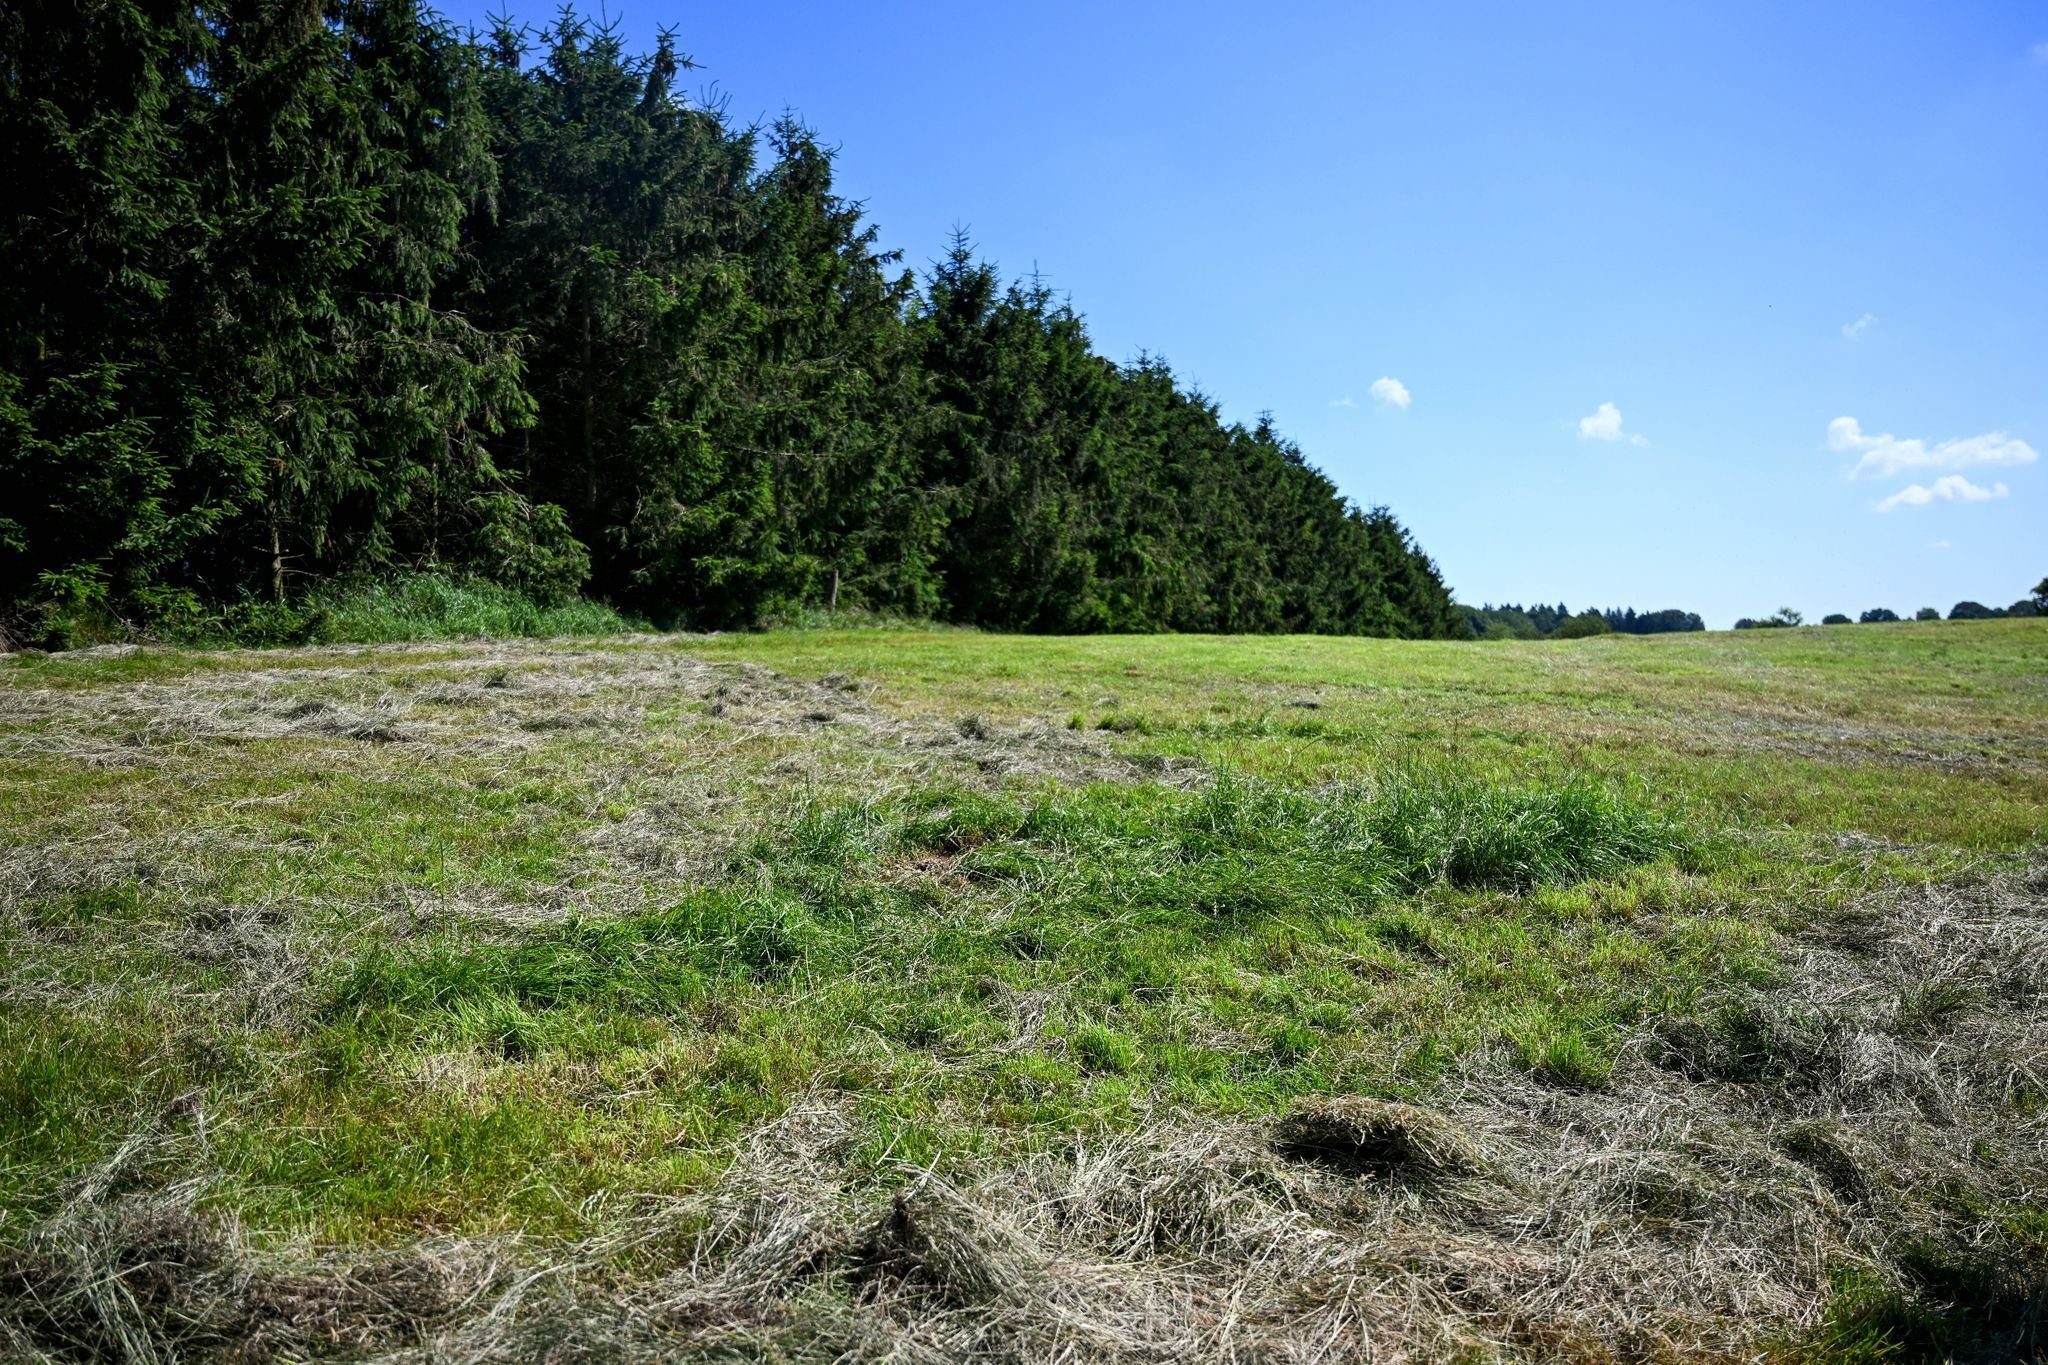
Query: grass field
x,y
920,995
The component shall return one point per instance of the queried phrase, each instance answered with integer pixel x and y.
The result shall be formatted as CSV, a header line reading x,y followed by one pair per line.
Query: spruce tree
x,y
344,144
107,479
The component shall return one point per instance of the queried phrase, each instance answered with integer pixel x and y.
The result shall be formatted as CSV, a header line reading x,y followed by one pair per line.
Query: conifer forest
x,y
304,292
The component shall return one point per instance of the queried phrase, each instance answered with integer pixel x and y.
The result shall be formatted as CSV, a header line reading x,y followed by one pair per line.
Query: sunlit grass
x,y
417,988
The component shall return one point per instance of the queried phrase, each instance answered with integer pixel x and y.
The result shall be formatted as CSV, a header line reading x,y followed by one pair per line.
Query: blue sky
x,y
1626,267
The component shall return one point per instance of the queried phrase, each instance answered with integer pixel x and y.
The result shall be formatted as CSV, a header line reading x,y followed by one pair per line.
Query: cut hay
x,y
1377,1137
146,1277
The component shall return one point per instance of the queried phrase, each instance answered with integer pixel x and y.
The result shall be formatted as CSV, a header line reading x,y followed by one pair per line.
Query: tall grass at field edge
x,y
403,609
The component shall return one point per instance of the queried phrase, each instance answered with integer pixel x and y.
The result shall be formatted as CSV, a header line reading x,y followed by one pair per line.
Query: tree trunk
x,y
276,557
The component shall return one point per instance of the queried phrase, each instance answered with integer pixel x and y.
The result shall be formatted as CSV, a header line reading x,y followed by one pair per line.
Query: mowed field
x,y
918,995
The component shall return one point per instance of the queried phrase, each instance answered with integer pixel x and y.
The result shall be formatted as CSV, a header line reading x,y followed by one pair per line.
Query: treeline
x,y
302,291
1542,621
2033,604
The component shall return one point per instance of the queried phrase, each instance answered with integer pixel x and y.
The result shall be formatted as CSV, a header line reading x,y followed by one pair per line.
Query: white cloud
x,y
1343,402
1884,455
1605,425
1390,392
1937,544
1947,488
1855,330
2040,51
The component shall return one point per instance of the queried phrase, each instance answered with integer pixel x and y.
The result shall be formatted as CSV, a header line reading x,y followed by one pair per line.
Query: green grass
x,y
1228,949
1116,903
1928,733
583,924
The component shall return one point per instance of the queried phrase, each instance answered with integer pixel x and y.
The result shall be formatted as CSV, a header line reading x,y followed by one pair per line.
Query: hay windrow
x,y
500,695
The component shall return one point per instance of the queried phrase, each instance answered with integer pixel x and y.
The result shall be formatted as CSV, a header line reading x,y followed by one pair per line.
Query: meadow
x,y
931,995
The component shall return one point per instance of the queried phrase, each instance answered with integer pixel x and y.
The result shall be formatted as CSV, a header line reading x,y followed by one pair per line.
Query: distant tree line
x,y
2034,604
298,290
1977,611
1542,621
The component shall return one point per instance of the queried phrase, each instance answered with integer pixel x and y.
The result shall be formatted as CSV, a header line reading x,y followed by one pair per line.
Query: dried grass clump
x,y
1825,1147
931,1243
40,873
266,971
147,1277
1378,1137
